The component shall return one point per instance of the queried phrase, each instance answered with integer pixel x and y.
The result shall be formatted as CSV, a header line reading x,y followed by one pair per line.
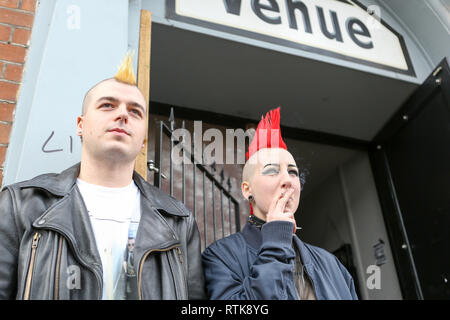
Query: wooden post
x,y
143,75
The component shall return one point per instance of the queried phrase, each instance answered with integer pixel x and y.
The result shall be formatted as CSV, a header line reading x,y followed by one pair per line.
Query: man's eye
x,y
137,112
106,105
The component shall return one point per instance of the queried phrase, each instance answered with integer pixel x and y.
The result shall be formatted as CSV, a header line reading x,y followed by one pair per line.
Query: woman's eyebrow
x,y
272,164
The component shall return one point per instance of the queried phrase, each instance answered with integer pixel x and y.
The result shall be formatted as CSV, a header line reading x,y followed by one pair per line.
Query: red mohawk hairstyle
x,y
268,134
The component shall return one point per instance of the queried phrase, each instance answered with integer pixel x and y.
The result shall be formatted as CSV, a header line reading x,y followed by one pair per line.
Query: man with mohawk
x,y
266,260
98,230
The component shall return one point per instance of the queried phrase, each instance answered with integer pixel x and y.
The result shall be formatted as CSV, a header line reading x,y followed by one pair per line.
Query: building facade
x,y
363,87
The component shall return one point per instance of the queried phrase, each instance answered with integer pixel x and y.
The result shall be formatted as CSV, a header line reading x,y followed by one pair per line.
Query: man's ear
x,y
246,189
80,126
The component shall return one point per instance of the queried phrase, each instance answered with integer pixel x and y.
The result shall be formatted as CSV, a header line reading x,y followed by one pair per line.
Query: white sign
x,y
341,28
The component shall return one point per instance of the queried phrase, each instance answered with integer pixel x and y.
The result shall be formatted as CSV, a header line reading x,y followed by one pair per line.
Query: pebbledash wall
x,y
16,21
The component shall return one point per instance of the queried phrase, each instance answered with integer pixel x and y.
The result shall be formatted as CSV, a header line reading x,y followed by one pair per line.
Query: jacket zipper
x,y
34,246
179,255
58,266
184,277
83,263
172,271
142,264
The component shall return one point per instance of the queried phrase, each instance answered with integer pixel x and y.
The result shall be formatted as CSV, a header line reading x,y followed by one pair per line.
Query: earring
x,y
250,200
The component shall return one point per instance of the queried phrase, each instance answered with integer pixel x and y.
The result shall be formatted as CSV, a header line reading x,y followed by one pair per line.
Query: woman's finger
x,y
281,204
274,202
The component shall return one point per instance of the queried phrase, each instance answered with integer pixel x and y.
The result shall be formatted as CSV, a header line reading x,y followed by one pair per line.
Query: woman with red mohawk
x,y
266,260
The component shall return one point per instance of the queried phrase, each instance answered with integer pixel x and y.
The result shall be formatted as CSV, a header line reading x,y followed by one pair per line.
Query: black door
x,y
411,163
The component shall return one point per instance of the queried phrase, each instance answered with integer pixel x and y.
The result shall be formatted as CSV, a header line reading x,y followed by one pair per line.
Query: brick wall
x,y
16,20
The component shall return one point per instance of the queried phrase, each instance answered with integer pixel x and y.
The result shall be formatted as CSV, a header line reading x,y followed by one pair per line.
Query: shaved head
x,y
88,95
248,171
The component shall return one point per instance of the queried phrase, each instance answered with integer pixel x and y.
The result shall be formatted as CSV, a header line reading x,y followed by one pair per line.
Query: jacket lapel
x,y
154,232
69,217
156,198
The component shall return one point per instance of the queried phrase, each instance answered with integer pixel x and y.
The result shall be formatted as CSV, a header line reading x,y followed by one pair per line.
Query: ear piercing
x,y
251,198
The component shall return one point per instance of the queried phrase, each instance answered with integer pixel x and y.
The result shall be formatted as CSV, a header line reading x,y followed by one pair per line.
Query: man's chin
x,y
119,154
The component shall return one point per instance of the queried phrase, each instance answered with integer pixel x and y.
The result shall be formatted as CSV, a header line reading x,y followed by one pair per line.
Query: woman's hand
x,y
278,206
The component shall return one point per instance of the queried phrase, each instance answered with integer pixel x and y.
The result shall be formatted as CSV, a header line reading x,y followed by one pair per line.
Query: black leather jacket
x,y
48,248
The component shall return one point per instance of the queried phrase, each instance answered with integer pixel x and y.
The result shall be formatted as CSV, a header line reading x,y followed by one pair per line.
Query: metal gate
x,y
209,211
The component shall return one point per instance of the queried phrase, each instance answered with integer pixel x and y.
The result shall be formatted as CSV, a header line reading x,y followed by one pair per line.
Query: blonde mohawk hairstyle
x,y
126,72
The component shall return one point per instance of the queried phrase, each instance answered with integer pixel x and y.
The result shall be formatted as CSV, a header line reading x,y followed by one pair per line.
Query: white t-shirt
x,y
114,215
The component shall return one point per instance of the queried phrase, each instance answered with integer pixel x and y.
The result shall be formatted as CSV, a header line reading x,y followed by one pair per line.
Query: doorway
x,y
339,209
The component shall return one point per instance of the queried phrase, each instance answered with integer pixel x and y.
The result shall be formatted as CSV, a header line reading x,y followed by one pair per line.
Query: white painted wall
x,y
430,31
322,216
74,45
367,223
